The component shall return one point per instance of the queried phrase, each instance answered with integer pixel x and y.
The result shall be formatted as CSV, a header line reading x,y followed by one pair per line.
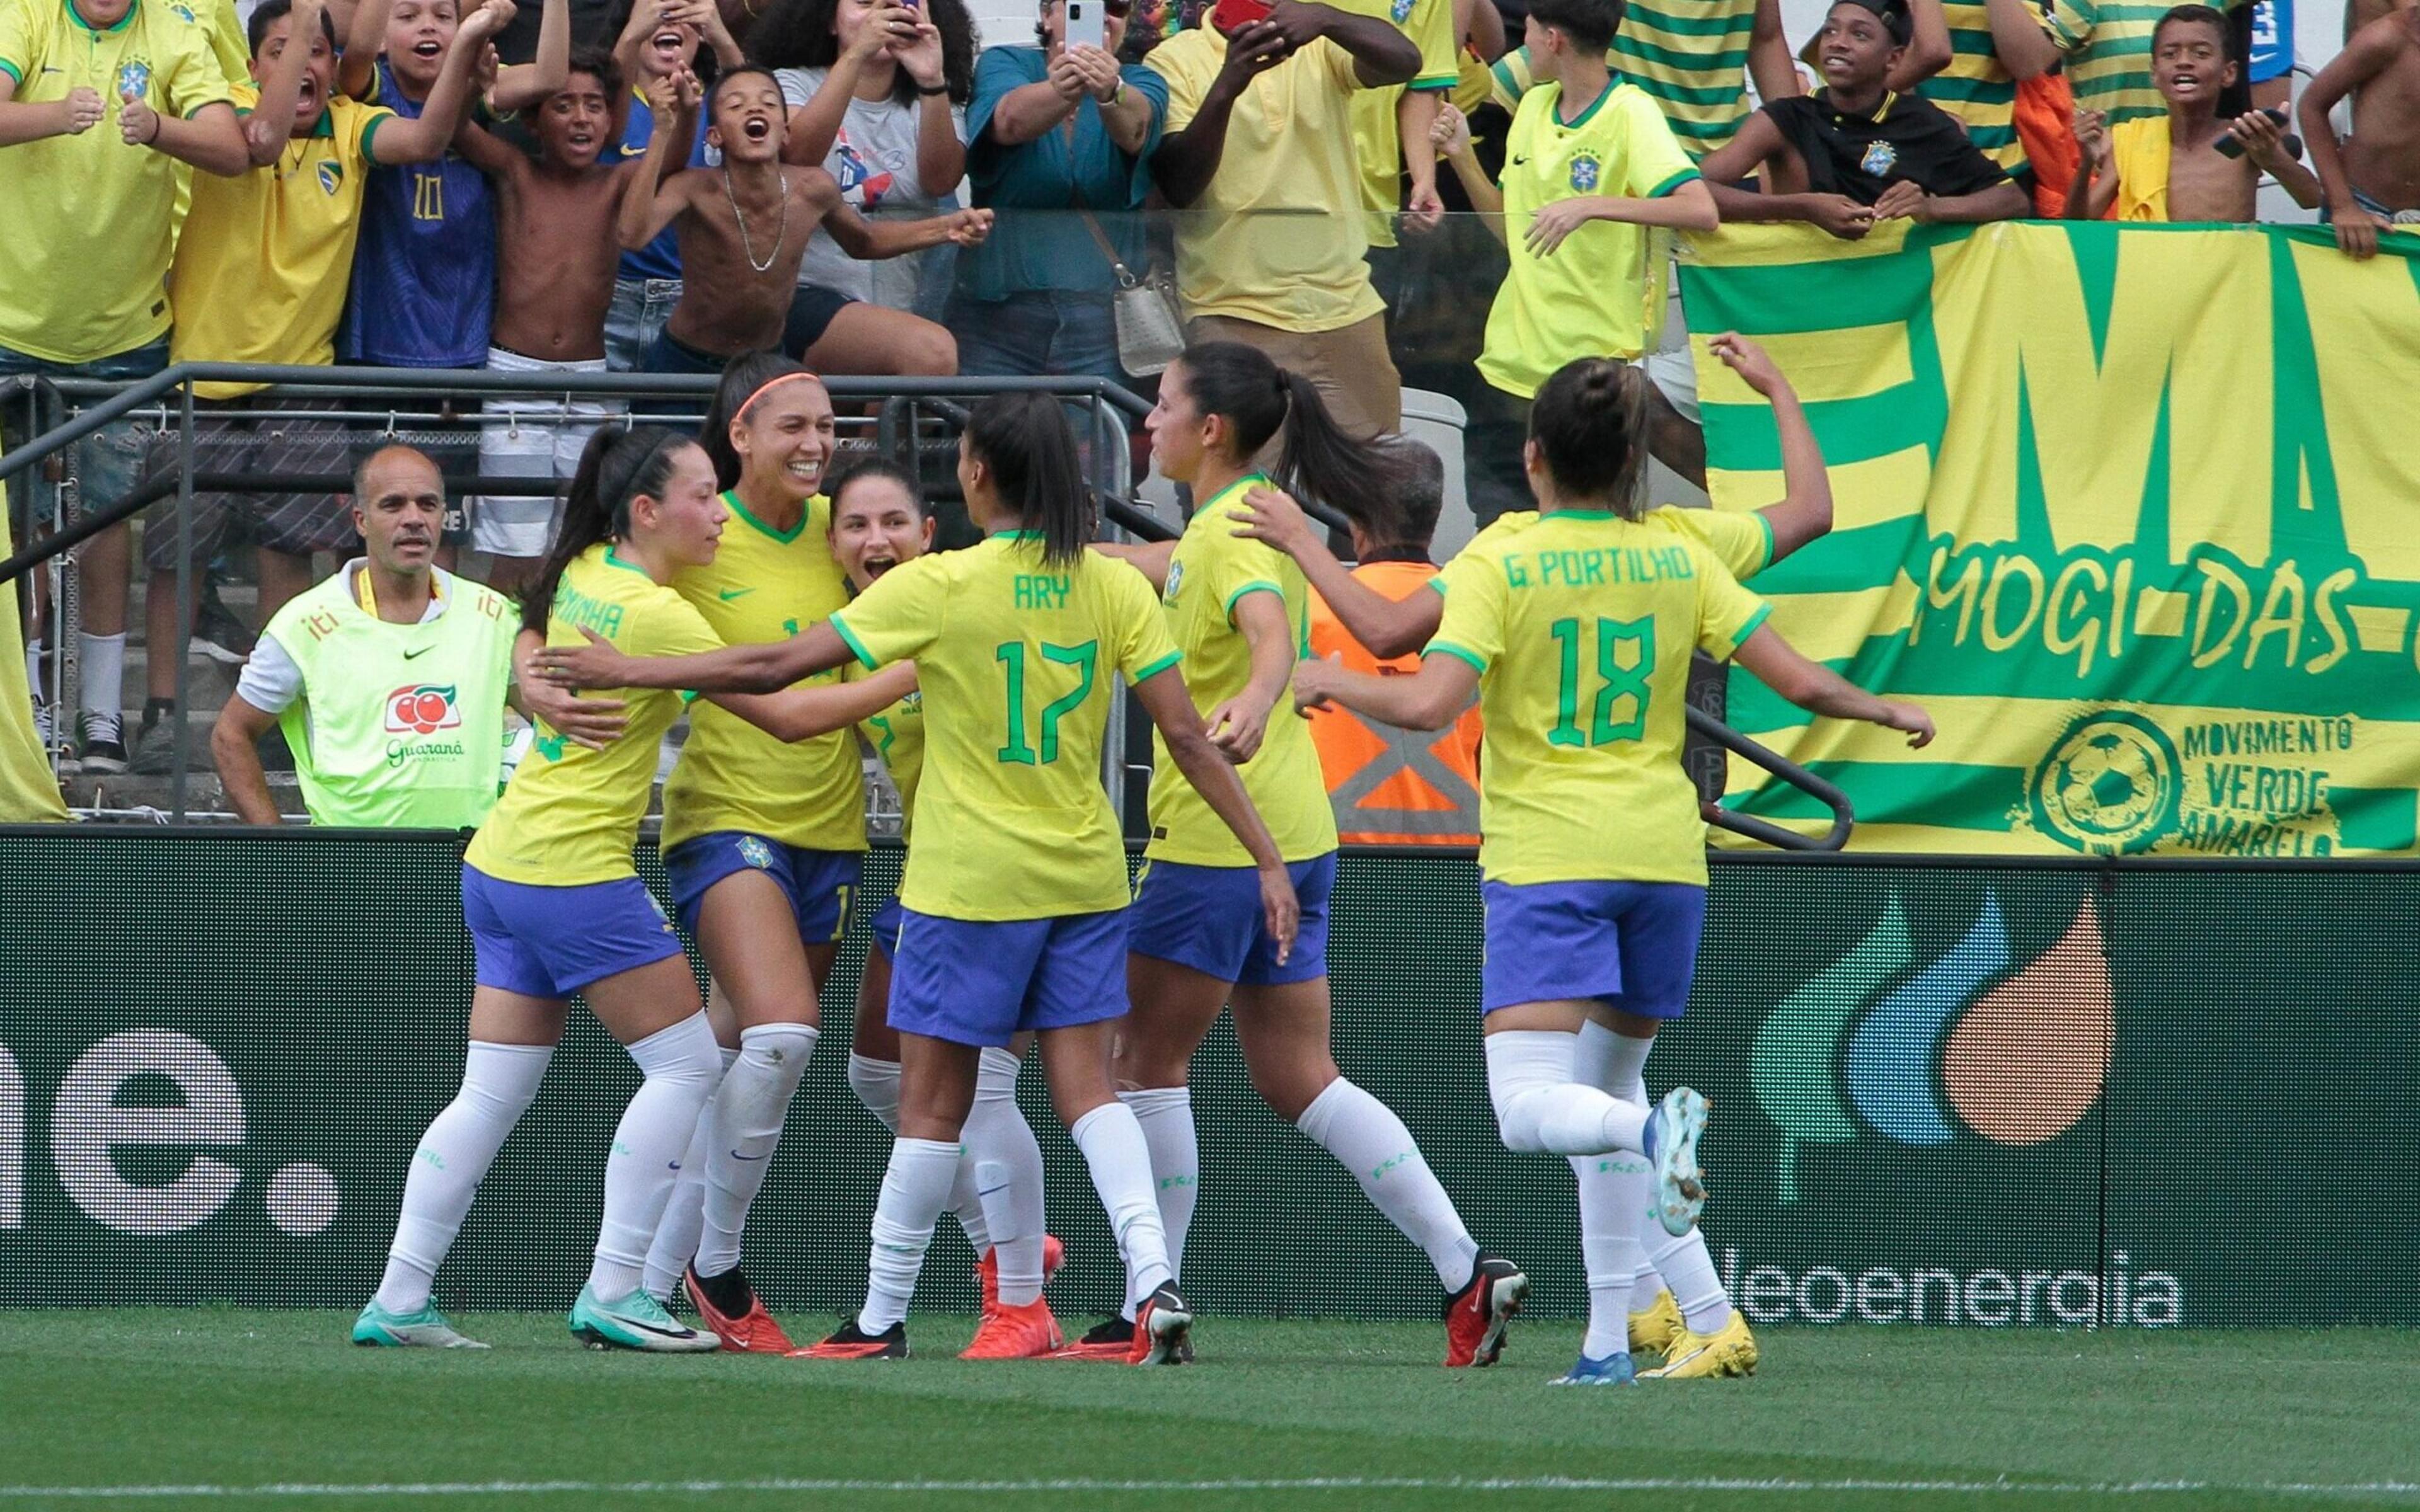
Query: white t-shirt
x,y
874,157
272,680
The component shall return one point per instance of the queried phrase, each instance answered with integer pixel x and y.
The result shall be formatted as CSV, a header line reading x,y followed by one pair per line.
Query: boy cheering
x,y
2169,167
744,225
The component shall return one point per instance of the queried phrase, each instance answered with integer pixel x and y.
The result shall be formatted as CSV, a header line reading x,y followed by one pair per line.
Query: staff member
x,y
389,678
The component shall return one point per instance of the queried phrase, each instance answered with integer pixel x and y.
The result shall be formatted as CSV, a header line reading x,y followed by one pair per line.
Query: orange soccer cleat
x,y
1009,1333
1475,1315
853,1343
1054,1254
730,1309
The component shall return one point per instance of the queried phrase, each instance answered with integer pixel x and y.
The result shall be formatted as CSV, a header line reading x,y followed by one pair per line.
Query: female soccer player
x,y
1577,634
880,521
764,839
1239,611
1013,907
555,906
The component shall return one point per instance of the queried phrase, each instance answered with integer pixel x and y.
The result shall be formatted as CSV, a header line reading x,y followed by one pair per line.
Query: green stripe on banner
x,y
2377,819
1907,793
1809,296
1850,430
1740,21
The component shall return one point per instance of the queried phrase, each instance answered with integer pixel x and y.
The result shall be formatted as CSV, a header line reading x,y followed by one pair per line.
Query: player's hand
x,y
2357,231
1255,50
1907,717
593,664
1315,683
1901,200
1449,134
1842,216
1097,68
81,111
967,228
1424,208
2264,140
920,53
592,722
1271,517
1237,728
486,22
1752,363
138,125
1280,908
1553,222
1065,77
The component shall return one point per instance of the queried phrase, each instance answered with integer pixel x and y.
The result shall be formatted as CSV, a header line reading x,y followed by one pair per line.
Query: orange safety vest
x,y
1392,786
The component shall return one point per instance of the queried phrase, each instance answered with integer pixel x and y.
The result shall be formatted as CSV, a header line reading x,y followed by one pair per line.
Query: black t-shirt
x,y
1906,137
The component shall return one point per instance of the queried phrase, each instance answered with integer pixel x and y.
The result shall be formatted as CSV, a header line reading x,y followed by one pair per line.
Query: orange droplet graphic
x,y
2029,1058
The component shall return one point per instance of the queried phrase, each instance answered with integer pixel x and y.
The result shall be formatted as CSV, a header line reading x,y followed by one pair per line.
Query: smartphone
x,y
1087,21
2229,147
1232,16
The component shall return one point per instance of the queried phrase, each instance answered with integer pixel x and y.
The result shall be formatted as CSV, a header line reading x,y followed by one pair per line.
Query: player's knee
x,y
1523,1068
928,350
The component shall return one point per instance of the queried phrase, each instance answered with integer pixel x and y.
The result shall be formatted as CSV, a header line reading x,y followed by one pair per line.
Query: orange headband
x,y
766,387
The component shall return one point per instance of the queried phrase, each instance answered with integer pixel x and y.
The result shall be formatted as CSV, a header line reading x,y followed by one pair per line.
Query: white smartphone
x,y
1086,20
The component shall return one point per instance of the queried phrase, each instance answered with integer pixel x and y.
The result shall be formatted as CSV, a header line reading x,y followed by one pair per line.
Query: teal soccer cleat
x,y
426,1328
1672,1133
637,1321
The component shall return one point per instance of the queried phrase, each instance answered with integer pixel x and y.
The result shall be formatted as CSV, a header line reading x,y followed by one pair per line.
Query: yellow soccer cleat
x,y
1728,1351
1659,1328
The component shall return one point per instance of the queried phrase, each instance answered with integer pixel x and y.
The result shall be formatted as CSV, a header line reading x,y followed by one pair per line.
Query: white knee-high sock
x,y
877,1085
1007,1164
1541,1110
680,1064
1619,1065
1373,1145
1165,1115
102,664
1614,1191
748,1110
914,1187
1112,1145
498,1081
684,1220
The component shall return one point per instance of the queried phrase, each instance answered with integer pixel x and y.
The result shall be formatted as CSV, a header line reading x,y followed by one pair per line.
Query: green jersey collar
x,y
731,497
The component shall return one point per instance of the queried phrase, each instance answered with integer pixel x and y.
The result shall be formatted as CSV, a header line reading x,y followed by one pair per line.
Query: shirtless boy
x,y
2168,167
2372,180
744,225
556,214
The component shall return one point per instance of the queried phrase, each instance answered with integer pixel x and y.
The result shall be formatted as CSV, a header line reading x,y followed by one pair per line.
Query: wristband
x,y
935,89
157,123
1118,95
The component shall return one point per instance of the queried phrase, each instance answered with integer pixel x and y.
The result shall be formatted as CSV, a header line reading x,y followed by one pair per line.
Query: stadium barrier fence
x,y
1979,1093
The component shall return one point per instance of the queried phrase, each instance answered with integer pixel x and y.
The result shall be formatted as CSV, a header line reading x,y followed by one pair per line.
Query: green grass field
x,y
220,1408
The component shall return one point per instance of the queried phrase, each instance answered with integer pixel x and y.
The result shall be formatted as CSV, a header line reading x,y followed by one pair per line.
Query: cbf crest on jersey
x,y
1401,10
332,175
756,851
134,78
1175,581
1587,169
1880,159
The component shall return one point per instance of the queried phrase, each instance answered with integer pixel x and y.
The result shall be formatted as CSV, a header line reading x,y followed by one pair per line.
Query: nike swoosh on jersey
x,y
727,594
409,655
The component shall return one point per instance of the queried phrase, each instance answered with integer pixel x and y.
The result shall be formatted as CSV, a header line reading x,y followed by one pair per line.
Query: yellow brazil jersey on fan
x,y
1212,571
1581,628
1975,86
767,585
263,263
1596,294
1742,541
84,264
1377,141
570,814
1014,656
898,737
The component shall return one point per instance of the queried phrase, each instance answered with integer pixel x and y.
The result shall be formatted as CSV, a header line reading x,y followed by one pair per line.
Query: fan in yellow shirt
x,y
1013,913
1576,635
1240,612
555,906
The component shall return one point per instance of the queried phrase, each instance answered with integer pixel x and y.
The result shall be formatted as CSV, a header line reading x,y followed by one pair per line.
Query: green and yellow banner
x,y
2134,512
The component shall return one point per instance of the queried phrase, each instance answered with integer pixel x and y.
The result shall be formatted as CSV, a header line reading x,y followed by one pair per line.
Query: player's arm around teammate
x,y
1239,612
557,908
1576,635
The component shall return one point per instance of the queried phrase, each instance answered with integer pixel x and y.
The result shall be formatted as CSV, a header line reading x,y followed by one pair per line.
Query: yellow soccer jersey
x,y
1581,628
1212,571
898,737
1377,141
265,257
1743,543
1013,658
84,265
767,585
570,814
1596,294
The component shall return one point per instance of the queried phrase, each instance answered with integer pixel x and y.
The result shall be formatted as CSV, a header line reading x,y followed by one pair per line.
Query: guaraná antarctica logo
x,y
1963,1042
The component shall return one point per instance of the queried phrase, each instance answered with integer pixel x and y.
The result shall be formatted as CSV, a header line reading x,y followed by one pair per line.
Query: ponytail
x,y
614,468
1317,459
743,377
1024,440
1589,421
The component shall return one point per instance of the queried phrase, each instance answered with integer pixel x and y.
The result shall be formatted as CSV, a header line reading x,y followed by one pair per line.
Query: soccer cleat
x,y
1008,1332
1671,1140
1163,1330
1657,1328
426,1328
1728,1351
1475,1315
1615,1369
1111,1338
744,1326
637,1321
853,1343
1054,1254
